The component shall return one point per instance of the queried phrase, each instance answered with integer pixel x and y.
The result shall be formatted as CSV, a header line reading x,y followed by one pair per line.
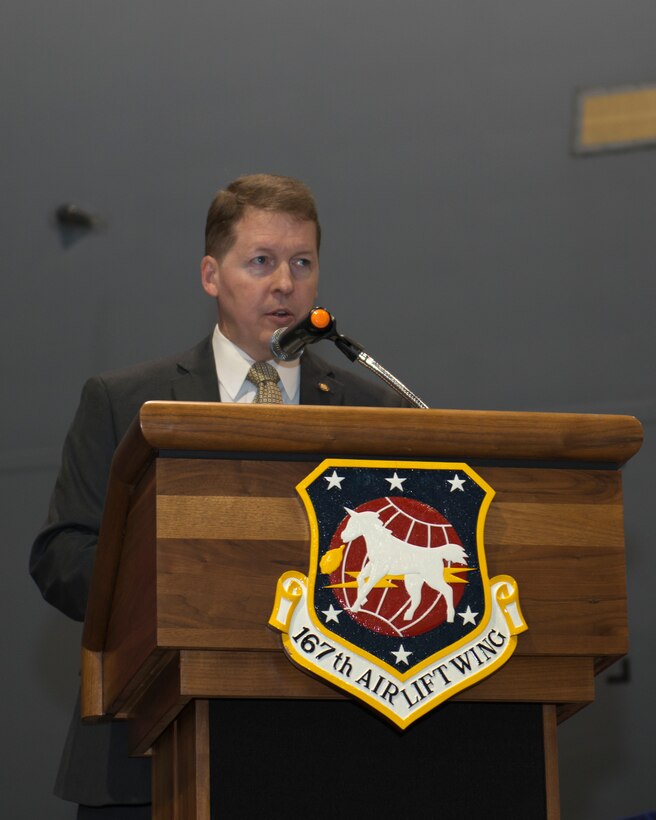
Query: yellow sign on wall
x,y
612,119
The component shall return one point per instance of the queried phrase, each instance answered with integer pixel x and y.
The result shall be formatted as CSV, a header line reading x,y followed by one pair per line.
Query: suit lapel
x,y
319,384
196,379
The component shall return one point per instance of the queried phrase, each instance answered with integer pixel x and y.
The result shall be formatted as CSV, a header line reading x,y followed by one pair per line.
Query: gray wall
x,y
465,246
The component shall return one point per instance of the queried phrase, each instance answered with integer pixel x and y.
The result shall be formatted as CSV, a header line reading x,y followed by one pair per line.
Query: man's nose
x,y
283,279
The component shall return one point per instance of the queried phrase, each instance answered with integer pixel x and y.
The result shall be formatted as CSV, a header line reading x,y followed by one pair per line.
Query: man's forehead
x,y
259,226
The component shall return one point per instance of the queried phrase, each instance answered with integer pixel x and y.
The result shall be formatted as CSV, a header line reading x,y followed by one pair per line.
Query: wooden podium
x,y
202,517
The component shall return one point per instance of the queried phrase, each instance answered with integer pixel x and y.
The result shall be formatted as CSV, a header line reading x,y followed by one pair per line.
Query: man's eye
x,y
302,263
259,260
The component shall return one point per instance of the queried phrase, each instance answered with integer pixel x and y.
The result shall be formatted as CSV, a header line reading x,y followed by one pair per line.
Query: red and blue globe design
x,y
383,612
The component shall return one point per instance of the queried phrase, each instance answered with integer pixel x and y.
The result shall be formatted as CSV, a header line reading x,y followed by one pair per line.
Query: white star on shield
x,y
395,482
334,480
402,655
468,617
332,614
456,483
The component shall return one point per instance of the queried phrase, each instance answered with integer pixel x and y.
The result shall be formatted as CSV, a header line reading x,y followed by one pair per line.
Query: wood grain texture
x,y
549,731
257,674
192,548
230,517
193,770
390,432
164,762
181,778
534,524
394,433
194,477
91,690
211,674
156,704
562,541
553,486
130,636
215,587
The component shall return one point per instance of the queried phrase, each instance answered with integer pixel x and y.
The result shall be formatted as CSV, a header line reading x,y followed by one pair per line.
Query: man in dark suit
x,y
261,264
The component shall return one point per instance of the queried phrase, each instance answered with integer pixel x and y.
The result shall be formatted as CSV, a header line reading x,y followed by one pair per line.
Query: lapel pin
x,y
324,387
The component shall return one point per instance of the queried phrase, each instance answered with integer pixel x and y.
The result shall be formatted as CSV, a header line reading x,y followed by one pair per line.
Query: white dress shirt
x,y
232,365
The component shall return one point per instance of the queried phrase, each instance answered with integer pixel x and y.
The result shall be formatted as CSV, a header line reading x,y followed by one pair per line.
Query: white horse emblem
x,y
389,555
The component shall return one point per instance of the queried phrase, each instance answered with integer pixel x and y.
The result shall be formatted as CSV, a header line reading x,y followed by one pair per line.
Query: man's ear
x,y
209,275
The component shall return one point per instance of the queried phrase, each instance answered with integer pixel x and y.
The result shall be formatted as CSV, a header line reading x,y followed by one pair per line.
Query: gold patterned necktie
x,y
265,378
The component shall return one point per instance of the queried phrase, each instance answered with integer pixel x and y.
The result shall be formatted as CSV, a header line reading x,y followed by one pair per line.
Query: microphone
x,y
287,343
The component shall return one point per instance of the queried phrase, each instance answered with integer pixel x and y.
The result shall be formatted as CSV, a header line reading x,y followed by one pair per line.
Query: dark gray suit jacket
x,y
95,769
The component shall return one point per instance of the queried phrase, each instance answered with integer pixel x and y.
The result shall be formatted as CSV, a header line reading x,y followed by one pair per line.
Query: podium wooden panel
x,y
202,517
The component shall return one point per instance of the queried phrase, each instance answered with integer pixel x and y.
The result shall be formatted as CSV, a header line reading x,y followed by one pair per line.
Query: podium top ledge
x,y
570,438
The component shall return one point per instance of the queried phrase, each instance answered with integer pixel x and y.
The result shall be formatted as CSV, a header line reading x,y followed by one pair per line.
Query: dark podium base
x,y
334,759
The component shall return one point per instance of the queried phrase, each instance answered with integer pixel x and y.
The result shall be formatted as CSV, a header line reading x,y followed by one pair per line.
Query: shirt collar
x,y
232,365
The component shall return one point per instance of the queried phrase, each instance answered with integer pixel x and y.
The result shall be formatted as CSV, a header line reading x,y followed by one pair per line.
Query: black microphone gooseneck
x,y
287,343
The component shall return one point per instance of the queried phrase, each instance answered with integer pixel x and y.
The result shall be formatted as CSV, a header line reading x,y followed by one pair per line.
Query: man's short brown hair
x,y
268,192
